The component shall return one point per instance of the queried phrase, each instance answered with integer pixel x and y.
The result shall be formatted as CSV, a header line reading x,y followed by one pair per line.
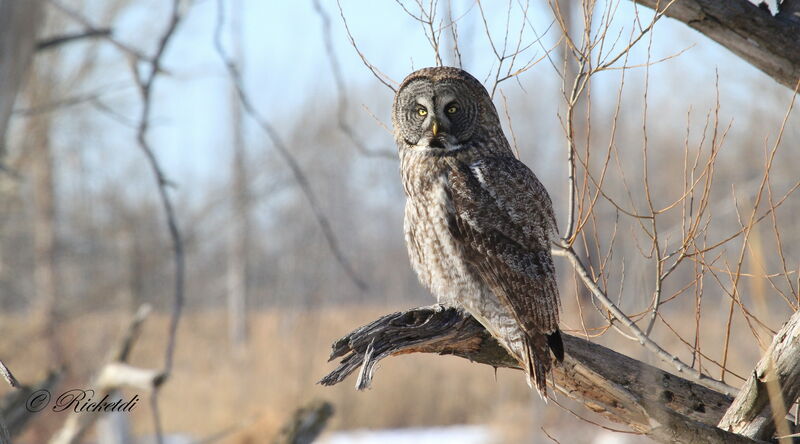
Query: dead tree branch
x,y
8,376
18,407
145,84
145,81
651,401
773,386
383,78
770,43
113,376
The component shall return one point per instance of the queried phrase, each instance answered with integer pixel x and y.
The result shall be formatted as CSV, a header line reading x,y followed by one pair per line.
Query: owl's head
x,y
441,108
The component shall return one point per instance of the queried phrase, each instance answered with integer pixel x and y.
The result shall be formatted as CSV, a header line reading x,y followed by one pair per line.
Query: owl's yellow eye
x,y
452,109
422,112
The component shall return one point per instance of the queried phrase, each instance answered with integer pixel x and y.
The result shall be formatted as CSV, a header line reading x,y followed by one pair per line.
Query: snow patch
x,y
463,434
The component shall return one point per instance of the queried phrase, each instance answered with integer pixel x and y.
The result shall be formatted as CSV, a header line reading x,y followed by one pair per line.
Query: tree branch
x,y
291,161
770,43
651,401
115,375
145,82
643,338
774,385
18,407
8,376
59,40
76,16
342,93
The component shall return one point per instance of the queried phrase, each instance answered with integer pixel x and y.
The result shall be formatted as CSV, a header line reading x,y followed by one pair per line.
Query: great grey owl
x,y
478,223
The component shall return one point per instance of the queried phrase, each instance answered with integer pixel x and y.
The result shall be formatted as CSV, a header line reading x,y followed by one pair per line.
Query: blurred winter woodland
x,y
198,197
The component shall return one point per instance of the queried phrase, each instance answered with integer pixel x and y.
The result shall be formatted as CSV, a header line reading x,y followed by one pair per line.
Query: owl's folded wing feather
x,y
504,217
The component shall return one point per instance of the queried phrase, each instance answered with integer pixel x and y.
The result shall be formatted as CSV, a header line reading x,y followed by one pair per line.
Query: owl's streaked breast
x,y
439,259
435,255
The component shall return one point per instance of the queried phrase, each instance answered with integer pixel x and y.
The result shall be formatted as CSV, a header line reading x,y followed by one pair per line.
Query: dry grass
x,y
215,387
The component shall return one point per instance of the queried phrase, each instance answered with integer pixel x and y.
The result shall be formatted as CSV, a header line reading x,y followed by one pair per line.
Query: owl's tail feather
x,y
537,363
556,345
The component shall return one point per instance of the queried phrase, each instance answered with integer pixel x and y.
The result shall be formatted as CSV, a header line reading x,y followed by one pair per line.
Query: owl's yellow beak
x,y
435,127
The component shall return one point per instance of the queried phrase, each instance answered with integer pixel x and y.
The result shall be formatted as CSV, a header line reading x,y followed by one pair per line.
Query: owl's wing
x,y
503,216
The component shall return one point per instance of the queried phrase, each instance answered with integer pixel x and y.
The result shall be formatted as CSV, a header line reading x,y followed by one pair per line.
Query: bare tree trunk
x,y
45,233
240,226
19,23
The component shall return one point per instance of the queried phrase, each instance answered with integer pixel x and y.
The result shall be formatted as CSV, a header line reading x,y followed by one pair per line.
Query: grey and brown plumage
x,y
478,223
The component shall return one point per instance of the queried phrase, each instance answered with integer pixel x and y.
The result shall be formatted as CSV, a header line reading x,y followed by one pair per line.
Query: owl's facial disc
x,y
434,122
435,116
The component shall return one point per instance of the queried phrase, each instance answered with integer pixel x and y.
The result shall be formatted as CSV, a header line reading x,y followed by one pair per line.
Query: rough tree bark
x,y
769,42
773,385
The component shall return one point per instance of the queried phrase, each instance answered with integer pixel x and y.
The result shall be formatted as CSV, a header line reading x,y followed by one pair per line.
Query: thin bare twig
x,y
752,221
383,78
77,99
643,339
291,161
52,42
75,15
341,90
